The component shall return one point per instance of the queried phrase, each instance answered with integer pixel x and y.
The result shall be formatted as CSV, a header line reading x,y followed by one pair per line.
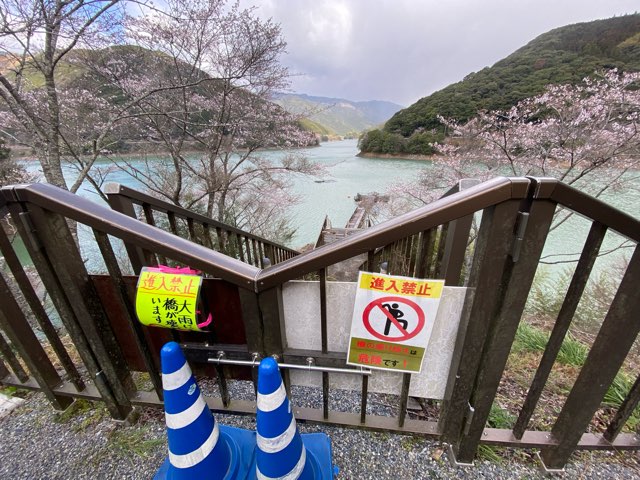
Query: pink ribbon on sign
x,y
182,270
206,322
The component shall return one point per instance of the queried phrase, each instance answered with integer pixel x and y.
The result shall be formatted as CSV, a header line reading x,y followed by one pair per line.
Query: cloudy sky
x,y
402,50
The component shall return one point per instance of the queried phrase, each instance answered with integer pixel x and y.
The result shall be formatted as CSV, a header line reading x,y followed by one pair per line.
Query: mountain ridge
x,y
562,55
338,116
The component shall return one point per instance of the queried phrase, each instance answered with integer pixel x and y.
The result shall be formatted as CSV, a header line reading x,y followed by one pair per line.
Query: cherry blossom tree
x,y
571,132
585,135
210,110
36,39
189,78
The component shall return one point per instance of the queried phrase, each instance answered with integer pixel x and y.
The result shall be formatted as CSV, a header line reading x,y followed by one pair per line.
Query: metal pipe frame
x,y
220,360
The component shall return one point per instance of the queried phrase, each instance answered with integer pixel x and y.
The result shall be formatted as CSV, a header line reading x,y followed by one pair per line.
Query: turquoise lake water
x,y
349,175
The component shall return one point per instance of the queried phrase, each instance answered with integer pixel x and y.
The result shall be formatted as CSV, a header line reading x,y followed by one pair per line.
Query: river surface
x,y
348,175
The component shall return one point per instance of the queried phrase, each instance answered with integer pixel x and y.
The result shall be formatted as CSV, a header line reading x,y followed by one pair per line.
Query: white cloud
x,y
401,50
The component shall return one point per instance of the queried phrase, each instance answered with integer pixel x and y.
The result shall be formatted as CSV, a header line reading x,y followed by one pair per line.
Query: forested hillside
x,y
113,77
564,55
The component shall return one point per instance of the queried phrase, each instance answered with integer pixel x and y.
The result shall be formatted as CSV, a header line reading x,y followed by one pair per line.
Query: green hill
x,y
563,55
88,70
338,116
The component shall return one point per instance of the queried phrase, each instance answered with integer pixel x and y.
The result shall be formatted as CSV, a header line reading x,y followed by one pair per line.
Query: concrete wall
x,y
302,318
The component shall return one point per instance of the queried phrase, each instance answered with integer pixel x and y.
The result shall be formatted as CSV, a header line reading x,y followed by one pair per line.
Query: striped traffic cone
x,y
199,448
282,452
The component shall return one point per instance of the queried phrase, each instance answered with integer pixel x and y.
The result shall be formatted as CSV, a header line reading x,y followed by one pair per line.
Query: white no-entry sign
x,y
392,321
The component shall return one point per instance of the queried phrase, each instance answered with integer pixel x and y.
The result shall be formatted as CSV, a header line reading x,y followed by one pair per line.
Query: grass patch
x,y
142,381
617,392
488,453
133,442
529,339
82,414
11,391
128,442
573,354
532,339
500,417
77,408
410,442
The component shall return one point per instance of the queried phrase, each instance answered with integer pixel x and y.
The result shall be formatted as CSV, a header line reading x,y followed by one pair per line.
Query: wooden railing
x,y
497,268
200,229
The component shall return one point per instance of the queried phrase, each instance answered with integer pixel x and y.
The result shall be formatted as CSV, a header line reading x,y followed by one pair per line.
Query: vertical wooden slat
x,y
192,231
222,386
124,301
624,412
12,360
52,284
489,262
413,254
404,398
250,259
392,259
263,253
422,259
206,233
257,261
273,329
569,305
270,254
419,254
406,256
363,399
65,259
615,338
427,265
253,326
220,235
438,267
370,260
173,225
515,285
38,311
4,372
240,247
137,256
17,329
324,339
148,215
455,249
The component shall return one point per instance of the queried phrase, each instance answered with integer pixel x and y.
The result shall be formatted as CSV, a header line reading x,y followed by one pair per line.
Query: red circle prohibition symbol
x,y
406,335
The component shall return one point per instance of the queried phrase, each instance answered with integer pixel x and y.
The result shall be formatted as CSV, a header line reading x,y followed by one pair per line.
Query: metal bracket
x,y
543,467
452,459
468,419
523,219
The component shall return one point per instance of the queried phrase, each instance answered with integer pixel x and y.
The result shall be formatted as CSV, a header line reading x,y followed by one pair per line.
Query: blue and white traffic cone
x,y
282,452
199,448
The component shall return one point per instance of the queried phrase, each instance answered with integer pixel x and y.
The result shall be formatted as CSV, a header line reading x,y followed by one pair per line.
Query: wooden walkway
x,y
348,270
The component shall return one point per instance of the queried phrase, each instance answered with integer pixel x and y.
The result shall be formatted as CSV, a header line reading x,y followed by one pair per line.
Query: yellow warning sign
x,y
392,321
411,287
168,299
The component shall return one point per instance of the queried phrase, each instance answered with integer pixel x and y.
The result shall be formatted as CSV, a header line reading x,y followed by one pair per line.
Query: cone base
x,y
242,445
243,456
318,447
